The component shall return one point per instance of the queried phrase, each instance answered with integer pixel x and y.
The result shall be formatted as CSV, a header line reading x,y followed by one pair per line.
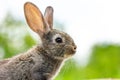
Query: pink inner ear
x,y
34,17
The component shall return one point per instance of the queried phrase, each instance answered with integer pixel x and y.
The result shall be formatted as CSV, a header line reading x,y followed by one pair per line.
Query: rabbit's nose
x,y
74,48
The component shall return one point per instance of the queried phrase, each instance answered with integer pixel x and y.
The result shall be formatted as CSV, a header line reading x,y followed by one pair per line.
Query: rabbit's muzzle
x,y
69,50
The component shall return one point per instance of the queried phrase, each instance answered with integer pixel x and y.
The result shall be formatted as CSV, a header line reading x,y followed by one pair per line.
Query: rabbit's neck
x,y
51,64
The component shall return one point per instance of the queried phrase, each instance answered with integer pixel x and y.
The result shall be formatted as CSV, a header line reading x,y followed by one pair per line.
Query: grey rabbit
x,y
44,60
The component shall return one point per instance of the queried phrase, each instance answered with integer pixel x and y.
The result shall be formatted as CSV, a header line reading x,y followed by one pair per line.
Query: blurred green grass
x,y
104,61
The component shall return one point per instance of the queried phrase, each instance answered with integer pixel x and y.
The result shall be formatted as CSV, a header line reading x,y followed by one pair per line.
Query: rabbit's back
x,y
20,66
3,62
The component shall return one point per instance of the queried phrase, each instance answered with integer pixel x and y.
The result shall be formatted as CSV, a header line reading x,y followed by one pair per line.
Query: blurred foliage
x,y
104,61
13,38
10,21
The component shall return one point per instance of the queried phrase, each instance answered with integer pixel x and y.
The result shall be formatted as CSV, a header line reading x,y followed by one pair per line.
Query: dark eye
x,y
58,40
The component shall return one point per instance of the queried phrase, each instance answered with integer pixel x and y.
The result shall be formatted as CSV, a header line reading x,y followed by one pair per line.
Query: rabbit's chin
x,y
66,56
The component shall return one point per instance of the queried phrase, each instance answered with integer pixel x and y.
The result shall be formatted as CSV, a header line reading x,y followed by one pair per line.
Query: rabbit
x,y
43,61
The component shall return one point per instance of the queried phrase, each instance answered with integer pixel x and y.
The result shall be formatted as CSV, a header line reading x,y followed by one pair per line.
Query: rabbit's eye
x,y
59,40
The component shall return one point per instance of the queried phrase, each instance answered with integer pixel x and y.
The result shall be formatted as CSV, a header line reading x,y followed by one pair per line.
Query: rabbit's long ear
x,y
49,16
35,18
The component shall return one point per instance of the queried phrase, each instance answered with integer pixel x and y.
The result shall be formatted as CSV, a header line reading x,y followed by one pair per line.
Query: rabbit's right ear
x,y
48,15
35,18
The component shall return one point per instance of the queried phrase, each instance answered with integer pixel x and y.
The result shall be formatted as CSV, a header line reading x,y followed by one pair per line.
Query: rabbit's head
x,y
57,43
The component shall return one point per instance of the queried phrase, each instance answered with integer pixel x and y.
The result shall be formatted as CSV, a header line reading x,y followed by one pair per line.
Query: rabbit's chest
x,y
51,67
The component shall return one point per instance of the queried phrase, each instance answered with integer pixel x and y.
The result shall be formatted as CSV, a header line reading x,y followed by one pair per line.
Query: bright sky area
x,y
87,21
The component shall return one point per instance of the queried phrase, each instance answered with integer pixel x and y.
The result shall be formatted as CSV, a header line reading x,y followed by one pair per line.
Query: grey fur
x,y
42,62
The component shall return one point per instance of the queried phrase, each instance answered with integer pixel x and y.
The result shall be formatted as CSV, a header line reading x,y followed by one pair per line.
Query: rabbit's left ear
x,y
35,18
48,15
